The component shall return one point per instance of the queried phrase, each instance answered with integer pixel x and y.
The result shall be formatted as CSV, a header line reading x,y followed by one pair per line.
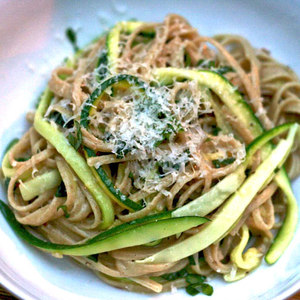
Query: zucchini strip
x,y
211,200
220,86
87,111
95,97
235,102
113,40
284,235
137,232
38,185
7,169
232,210
248,260
107,185
73,158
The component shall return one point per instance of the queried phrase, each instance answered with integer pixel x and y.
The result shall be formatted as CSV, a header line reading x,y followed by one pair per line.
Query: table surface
x,y
4,295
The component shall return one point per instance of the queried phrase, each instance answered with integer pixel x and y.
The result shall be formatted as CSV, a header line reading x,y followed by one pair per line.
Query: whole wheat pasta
x,y
153,148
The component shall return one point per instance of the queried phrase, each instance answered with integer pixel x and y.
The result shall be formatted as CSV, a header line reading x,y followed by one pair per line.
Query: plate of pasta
x,y
150,150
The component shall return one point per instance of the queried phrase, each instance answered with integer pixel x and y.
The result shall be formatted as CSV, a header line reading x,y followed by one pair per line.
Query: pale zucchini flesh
x,y
230,213
234,101
74,159
138,232
113,40
285,233
40,184
211,200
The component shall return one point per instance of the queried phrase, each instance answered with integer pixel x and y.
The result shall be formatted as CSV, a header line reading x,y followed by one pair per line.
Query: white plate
x,y
32,43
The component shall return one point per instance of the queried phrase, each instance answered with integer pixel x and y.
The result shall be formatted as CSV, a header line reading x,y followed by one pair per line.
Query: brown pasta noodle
x,y
72,216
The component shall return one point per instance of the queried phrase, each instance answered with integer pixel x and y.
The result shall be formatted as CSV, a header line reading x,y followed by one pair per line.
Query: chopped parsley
x,y
57,118
21,159
65,209
196,282
219,163
192,260
131,175
175,275
71,36
75,141
204,288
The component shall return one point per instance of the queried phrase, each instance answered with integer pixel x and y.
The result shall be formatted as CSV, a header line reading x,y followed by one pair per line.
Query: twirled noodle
x,y
66,212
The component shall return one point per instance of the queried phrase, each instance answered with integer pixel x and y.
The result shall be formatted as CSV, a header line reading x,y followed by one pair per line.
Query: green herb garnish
x,y
121,149
225,69
192,260
195,282
20,159
75,141
143,203
175,275
71,36
215,130
187,59
65,209
195,278
197,288
56,117
218,163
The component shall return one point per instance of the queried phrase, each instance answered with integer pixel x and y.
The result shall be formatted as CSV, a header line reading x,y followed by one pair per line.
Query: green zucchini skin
x,y
285,233
113,39
74,159
103,63
229,214
130,234
84,118
211,200
240,108
116,194
219,85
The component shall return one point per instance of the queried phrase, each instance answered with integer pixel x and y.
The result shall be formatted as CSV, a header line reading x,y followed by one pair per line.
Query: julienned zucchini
x,y
109,188
110,54
229,214
138,232
113,39
93,100
87,111
38,185
8,170
286,231
235,102
73,158
220,86
211,200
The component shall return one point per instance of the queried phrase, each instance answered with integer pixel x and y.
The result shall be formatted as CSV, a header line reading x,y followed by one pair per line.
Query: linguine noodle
x,y
160,175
